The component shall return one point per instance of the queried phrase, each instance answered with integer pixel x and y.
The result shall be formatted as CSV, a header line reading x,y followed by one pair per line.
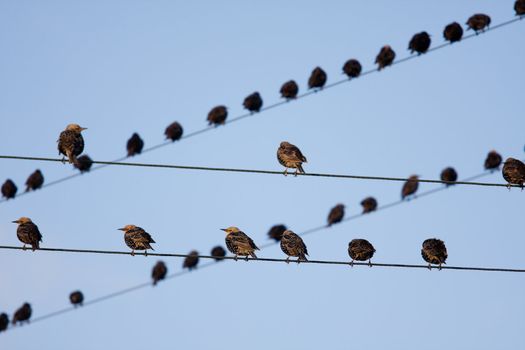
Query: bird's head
x,y
340,205
284,144
27,305
75,127
22,220
127,228
231,229
288,233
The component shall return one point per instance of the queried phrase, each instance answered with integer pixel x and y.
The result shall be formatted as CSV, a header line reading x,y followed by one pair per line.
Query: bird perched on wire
x,y
137,239
519,7
159,272
4,322
289,90
514,172
369,205
317,78
385,57
276,232
478,22
191,261
336,214
449,174
434,252
293,245
290,156
410,186
9,189
352,68
76,298
34,181
239,243
253,102
453,32
419,43
71,142
135,145
83,163
218,253
28,233
217,116
23,314
493,161
173,131
361,250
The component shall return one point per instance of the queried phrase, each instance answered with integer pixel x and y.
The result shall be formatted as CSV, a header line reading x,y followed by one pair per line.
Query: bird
x,y
34,181
385,57
137,239
23,314
410,186
478,22
493,160
9,189
159,272
317,78
4,321
369,204
217,115
453,32
419,43
514,172
83,163
135,145
71,142
434,252
449,174
28,233
519,7
174,131
289,90
293,245
76,298
290,156
253,102
239,243
336,214
361,250
191,260
352,68
276,232
218,253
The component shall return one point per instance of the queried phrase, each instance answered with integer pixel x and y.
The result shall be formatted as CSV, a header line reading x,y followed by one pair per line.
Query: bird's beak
x,y
223,229
15,222
82,129
121,229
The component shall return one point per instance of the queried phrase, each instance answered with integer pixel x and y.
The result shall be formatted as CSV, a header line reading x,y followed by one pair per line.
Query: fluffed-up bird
x,y
34,181
434,252
217,116
361,250
23,314
276,232
336,214
9,189
134,145
493,160
174,131
239,243
84,163
453,32
289,90
191,261
519,7
419,43
369,205
253,102
478,22
137,238
76,298
514,172
4,322
449,174
159,272
218,253
352,68
71,142
317,78
292,245
385,57
290,156
28,233
410,186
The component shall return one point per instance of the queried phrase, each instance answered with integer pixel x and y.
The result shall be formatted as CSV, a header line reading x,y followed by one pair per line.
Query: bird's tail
x,y
300,168
252,254
35,246
303,257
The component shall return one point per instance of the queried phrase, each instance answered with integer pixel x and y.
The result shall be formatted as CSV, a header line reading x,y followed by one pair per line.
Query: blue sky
x,y
135,66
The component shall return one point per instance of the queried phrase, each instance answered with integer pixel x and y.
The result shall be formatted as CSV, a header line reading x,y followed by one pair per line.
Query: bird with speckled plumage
x,y
410,187
293,245
434,252
385,57
71,142
34,181
9,189
289,90
239,243
159,272
22,315
137,238
174,131
217,116
336,214
317,78
369,205
290,156
478,22
361,250
76,298
28,233
514,172
453,32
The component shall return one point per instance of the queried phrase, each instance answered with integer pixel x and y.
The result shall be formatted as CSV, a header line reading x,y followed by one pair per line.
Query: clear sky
x,y
119,67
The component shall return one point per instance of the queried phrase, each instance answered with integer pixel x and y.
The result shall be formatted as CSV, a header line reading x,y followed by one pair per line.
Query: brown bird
x,y
159,272
23,314
71,142
239,243
385,57
478,22
419,43
191,260
449,174
336,214
174,131
352,68
137,239
317,78
290,156
369,204
289,90
519,7
4,322
253,102
218,253
9,189
217,115
34,181
493,161
514,172
453,32
434,252
76,298
134,145
410,186
28,233
84,163
293,245
361,250
276,232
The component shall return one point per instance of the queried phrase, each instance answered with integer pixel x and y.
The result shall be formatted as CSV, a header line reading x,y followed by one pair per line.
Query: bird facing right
x,y
361,250
23,314
514,172
369,205
28,233
9,189
385,57
76,298
434,251
71,142
419,43
137,238
239,243
336,214
493,160
159,271
410,187
290,156
34,181
293,245
478,22
4,322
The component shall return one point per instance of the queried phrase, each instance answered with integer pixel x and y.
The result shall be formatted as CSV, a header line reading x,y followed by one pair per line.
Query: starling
x,y
478,22
434,252
493,161
369,204
9,189
137,239
361,250
385,57
159,272
217,115
253,102
218,253
28,233
239,243
191,260
290,157
352,68
83,163
317,78
174,131
519,7
23,314
449,174
134,145
71,142
289,90
419,43
410,186
514,172
34,181
453,32
276,232
4,322
293,245
76,298
336,214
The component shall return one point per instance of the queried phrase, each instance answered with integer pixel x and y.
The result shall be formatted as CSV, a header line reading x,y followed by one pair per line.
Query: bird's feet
x,y
246,258
369,263
286,172
132,253
145,253
288,260
429,267
24,247
439,268
63,160
235,257
352,263
296,172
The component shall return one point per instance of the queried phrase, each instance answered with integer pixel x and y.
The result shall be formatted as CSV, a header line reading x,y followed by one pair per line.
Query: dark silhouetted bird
x,y
9,189
217,115
410,186
28,233
84,163
514,172
239,243
419,43
135,145
361,250
23,314
352,68
218,253
317,79
336,214
290,156
174,131
519,7
71,142
453,32
385,57
289,90
4,322
293,245
434,252
137,239
478,22
159,272
493,160
449,174
369,204
253,102
276,232
76,298
191,260
34,181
